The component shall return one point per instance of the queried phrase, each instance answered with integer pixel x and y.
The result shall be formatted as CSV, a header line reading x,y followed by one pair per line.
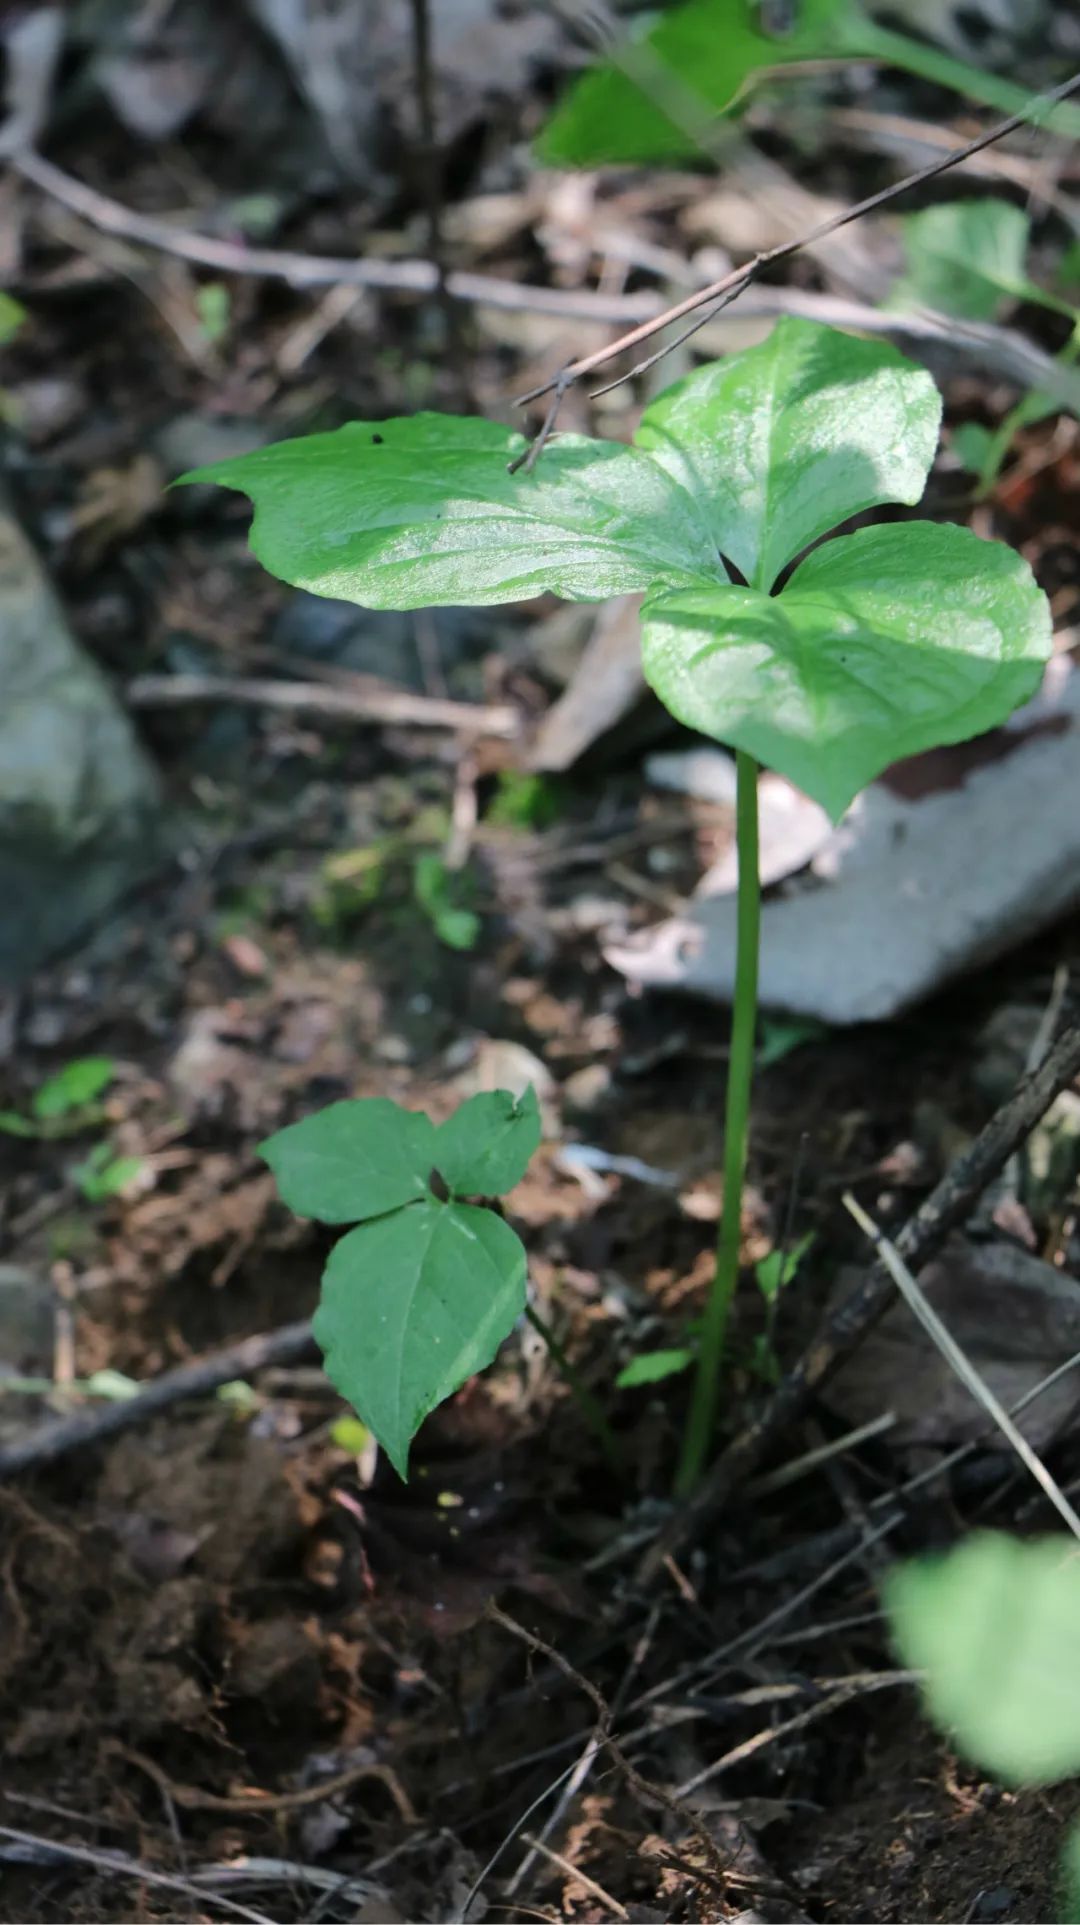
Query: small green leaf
x,y
412,1305
652,1367
351,1160
968,257
434,887
214,309
102,1175
780,1038
995,1625
73,1087
785,441
418,512
12,1124
485,1147
971,444
348,1433
779,1267
12,317
882,644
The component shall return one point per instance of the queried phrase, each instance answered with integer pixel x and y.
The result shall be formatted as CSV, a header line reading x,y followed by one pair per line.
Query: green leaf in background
x,y
995,1626
652,1367
102,1175
783,442
421,511
73,1087
776,1271
972,444
655,98
12,1124
713,47
486,1146
13,315
434,888
882,644
967,258
351,1160
412,1305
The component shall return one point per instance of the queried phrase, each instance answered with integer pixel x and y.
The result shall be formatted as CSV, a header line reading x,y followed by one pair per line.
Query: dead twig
x,y
611,1905
50,1442
376,705
858,1686
1005,352
958,1361
944,1210
117,1864
648,1793
254,1804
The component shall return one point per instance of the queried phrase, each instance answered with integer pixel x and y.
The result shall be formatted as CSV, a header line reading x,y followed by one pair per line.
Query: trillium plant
x,y
825,660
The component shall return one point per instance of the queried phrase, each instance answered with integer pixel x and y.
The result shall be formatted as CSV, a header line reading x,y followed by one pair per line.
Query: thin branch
x,y
947,1206
958,1360
389,705
51,1441
731,285
1005,352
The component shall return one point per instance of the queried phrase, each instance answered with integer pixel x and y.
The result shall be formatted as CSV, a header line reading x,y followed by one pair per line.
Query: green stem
x,y
933,63
583,1396
697,1437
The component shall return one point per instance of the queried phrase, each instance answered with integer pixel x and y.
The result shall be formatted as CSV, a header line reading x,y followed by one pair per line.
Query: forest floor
x,y
237,1653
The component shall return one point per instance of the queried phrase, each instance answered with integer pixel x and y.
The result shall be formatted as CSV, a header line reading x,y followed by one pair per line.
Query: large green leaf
x,y
353,1160
710,48
995,1625
781,443
883,643
655,98
967,257
485,1147
421,511
412,1304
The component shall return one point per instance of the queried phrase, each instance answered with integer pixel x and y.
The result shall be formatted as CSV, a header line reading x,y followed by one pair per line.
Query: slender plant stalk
x,y
580,1391
700,1422
929,62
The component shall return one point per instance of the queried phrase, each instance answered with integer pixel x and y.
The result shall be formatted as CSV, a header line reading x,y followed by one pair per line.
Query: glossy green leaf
x,y
995,1625
785,441
968,257
422,511
697,59
883,643
352,1160
73,1087
485,1147
652,1367
412,1305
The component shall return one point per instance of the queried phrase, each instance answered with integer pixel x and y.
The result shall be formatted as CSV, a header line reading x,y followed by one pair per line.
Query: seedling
x,y
994,1627
65,1105
420,1295
826,661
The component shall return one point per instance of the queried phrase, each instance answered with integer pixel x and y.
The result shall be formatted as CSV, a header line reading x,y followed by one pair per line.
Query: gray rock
x,y
79,805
